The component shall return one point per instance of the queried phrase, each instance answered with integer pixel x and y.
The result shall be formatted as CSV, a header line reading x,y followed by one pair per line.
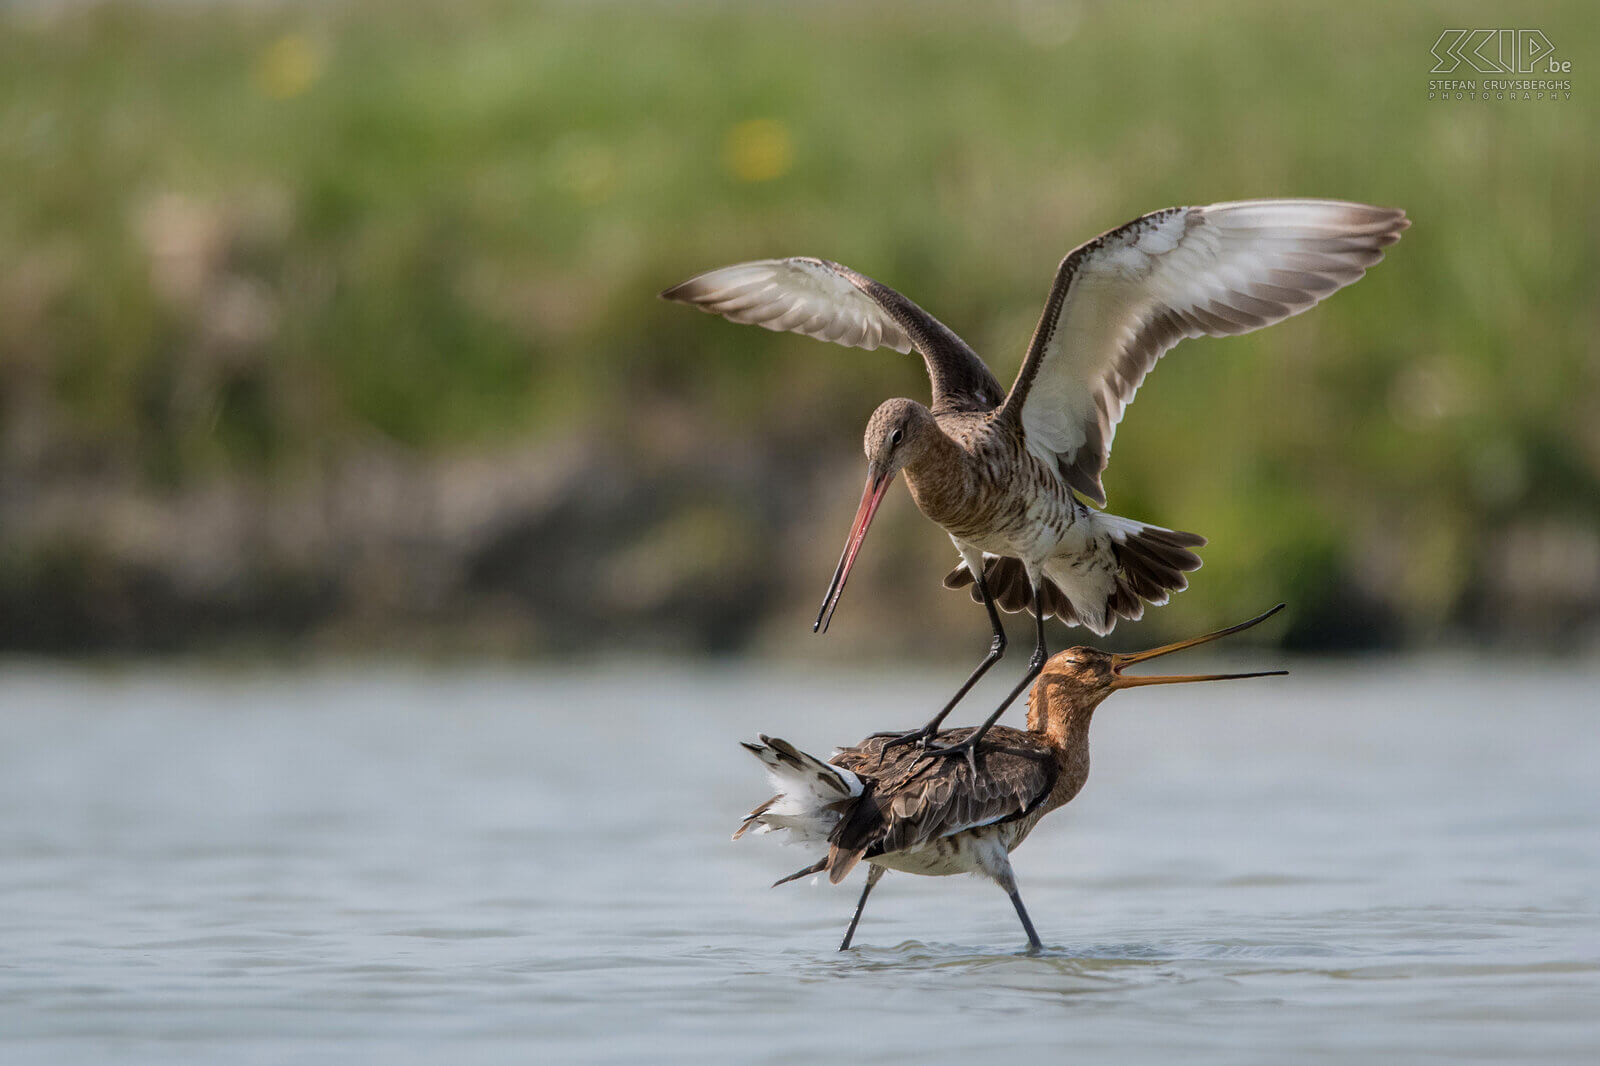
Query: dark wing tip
x,y
1398,224
678,293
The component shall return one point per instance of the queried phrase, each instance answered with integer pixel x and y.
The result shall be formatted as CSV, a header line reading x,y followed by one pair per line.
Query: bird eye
x,y
894,438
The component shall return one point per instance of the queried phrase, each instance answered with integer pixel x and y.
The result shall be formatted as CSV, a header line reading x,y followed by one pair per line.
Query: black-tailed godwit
x,y
998,471
897,811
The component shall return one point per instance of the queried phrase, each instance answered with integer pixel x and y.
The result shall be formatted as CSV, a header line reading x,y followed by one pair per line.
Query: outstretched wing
x,y
1121,300
910,800
830,302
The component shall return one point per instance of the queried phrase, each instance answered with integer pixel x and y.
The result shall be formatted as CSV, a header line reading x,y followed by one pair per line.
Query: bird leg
x,y
873,874
997,648
1034,944
969,746
994,861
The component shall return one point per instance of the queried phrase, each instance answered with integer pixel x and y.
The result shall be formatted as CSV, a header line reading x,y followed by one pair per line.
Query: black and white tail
x,y
1119,567
812,795
1147,565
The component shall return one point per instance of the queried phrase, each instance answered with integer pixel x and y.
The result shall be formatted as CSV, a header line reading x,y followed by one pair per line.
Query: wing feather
x,y
830,302
1122,300
910,801
804,295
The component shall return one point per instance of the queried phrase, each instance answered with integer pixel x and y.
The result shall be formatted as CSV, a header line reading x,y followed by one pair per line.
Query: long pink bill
x,y
871,496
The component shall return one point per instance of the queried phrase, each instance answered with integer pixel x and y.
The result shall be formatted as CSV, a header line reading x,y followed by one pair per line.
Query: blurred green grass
x,y
239,243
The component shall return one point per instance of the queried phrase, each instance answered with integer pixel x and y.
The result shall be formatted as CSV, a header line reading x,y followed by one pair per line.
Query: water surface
x,y
1387,862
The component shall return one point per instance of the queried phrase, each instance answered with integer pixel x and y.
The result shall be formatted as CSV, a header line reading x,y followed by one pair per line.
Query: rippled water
x,y
1381,862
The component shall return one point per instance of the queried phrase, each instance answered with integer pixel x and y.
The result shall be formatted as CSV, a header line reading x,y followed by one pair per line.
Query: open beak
x,y
877,484
1119,661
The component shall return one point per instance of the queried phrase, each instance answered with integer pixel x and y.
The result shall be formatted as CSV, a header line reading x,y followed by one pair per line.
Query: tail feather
x,y
1007,580
1154,559
815,868
788,764
754,817
811,794
1139,564
1147,565
841,861
1164,547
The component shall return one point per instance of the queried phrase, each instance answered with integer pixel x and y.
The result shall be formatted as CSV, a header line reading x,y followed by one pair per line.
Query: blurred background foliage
x,y
333,326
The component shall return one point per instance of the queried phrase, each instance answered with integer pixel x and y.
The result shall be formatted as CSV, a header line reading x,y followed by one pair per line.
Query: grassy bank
x,y
246,254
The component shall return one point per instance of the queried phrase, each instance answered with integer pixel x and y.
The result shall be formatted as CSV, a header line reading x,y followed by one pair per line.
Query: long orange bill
x,y
1121,660
871,496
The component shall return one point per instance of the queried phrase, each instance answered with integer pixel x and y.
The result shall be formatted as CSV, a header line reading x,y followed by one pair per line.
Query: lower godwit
x,y
899,812
999,471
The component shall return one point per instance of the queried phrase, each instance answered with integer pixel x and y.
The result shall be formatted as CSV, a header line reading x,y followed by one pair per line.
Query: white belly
x,y
1033,529
958,854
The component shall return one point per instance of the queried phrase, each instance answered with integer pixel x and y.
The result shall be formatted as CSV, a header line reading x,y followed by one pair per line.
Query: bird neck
x,y
937,473
1058,714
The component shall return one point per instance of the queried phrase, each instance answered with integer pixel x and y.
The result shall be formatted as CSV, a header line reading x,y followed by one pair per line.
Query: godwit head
x,y
897,811
899,433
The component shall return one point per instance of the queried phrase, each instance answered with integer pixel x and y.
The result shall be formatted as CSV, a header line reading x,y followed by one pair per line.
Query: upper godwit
x,y
900,813
998,471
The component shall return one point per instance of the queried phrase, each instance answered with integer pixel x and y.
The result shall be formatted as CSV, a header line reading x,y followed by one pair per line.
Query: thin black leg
x,y
1027,923
997,648
872,879
969,746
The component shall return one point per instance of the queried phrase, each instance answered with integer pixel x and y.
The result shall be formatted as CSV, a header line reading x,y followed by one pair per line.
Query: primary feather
x,y
1120,301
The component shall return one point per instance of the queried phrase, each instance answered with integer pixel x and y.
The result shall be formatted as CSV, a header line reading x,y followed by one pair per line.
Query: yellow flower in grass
x,y
759,149
289,66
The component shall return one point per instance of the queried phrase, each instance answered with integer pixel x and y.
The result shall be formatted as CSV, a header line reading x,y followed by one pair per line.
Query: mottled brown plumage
x,y
911,801
893,807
